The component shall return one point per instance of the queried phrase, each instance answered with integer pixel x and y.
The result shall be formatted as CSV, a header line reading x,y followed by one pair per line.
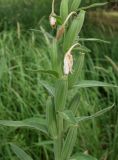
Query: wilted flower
x,y
60,32
68,63
53,21
68,60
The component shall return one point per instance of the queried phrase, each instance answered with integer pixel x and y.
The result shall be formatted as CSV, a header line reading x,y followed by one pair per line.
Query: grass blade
x,y
20,153
33,123
99,113
48,87
91,83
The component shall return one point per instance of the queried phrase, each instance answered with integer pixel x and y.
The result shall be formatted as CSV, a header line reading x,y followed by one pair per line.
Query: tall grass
x,y
25,62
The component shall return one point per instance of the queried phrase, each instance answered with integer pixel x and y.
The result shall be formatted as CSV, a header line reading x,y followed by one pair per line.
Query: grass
x,y
22,96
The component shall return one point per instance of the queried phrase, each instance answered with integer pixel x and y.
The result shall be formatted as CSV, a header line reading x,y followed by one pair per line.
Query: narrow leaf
x,y
91,83
51,118
69,143
77,71
64,9
99,113
48,87
20,153
33,123
74,30
61,94
3,67
75,103
50,72
83,49
53,50
93,5
69,116
74,4
82,156
94,40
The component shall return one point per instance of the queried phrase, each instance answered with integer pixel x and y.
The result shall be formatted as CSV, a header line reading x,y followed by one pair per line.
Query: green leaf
x,y
93,5
68,116
83,49
50,72
99,113
82,156
53,50
94,40
73,31
20,153
61,90
77,71
74,5
51,118
33,123
64,9
91,83
48,87
3,67
75,103
69,143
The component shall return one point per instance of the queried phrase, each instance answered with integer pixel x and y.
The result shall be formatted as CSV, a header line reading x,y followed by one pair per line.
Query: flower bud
x,y
53,21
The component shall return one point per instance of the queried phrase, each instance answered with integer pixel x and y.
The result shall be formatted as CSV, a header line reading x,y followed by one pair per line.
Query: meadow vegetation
x,y
44,113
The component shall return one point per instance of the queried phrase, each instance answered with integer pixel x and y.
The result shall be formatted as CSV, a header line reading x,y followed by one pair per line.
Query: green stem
x,y
53,6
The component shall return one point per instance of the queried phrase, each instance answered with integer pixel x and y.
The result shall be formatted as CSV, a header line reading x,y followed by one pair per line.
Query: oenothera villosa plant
x,y
61,120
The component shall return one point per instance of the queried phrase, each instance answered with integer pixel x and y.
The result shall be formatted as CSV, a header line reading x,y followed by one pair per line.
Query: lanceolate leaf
x,y
77,72
90,83
69,116
20,153
74,30
64,9
51,118
75,103
61,94
74,4
48,87
93,5
69,143
33,123
82,156
80,119
94,40
49,72
53,54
